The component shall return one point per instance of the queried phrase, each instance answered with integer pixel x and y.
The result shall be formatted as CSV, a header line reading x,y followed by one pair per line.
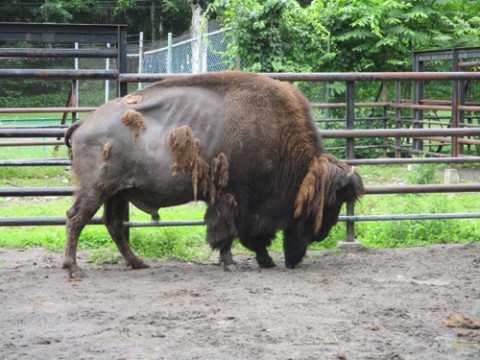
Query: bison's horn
x,y
351,172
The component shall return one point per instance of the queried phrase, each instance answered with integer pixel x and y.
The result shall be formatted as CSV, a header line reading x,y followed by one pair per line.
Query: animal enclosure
x,y
404,128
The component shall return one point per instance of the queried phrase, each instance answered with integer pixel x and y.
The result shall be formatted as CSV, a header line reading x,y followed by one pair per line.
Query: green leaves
x,y
272,35
378,35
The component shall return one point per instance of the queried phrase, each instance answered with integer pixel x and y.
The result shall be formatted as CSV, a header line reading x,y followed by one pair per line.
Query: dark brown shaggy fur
x,y
218,175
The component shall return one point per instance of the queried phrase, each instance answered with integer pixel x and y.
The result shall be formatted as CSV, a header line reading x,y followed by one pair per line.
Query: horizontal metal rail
x,y
325,133
344,105
37,191
385,76
46,110
434,107
36,162
372,190
426,160
377,161
30,133
42,127
59,74
42,221
418,189
58,53
399,133
410,217
31,143
55,221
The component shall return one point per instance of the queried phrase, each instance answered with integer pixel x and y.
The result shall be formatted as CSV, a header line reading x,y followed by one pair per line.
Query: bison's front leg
x,y
295,243
82,210
259,244
114,210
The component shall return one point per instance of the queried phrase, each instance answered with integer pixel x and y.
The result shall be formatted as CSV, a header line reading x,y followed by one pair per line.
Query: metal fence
x,y
122,78
350,134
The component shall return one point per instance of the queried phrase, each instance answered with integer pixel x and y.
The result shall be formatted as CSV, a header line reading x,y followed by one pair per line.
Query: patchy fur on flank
x,y
135,121
206,179
106,150
185,147
131,99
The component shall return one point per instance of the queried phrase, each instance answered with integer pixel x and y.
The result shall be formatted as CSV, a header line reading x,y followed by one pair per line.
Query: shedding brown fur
x,y
218,175
134,120
307,199
106,150
185,147
131,99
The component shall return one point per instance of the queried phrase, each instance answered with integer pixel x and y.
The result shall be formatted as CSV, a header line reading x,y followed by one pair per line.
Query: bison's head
x,y
329,184
343,184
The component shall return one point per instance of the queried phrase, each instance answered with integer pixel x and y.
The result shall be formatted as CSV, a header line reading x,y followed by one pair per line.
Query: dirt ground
x,y
417,303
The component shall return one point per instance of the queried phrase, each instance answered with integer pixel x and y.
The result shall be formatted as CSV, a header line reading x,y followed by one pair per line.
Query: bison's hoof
x,y
76,274
140,265
231,268
74,271
265,262
289,265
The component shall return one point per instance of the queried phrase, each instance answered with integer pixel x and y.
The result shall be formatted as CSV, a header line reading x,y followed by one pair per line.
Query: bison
x,y
241,142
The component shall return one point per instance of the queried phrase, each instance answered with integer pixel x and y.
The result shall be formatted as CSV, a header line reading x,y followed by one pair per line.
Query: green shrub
x,y
423,174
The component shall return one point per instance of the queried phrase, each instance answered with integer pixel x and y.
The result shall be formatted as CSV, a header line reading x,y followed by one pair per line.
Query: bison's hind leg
x,y
221,219
84,207
113,216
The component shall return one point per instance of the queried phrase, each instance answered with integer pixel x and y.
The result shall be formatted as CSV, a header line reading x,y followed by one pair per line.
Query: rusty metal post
x,y
418,66
455,102
384,99
122,90
398,114
350,152
350,118
461,99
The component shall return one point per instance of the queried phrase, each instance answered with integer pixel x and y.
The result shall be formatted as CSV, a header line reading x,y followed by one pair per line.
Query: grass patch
x,y
418,232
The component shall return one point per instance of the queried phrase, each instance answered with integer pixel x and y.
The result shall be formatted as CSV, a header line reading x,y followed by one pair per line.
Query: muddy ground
x,y
419,303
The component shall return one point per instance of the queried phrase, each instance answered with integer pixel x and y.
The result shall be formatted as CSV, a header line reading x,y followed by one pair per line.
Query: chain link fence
x,y
185,54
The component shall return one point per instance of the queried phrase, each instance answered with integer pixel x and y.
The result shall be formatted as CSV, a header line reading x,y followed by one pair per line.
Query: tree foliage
x,y
273,35
344,35
154,17
380,35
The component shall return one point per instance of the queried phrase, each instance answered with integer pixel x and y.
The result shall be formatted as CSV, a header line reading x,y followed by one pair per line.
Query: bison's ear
x,y
344,183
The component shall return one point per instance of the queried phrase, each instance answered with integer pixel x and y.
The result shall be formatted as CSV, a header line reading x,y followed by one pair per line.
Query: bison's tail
x,y
69,133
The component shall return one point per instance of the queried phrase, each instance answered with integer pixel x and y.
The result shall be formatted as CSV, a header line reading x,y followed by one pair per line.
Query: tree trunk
x,y
199,53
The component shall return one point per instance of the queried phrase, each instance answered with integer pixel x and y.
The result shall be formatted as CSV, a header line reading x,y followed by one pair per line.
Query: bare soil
x,y
414,303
